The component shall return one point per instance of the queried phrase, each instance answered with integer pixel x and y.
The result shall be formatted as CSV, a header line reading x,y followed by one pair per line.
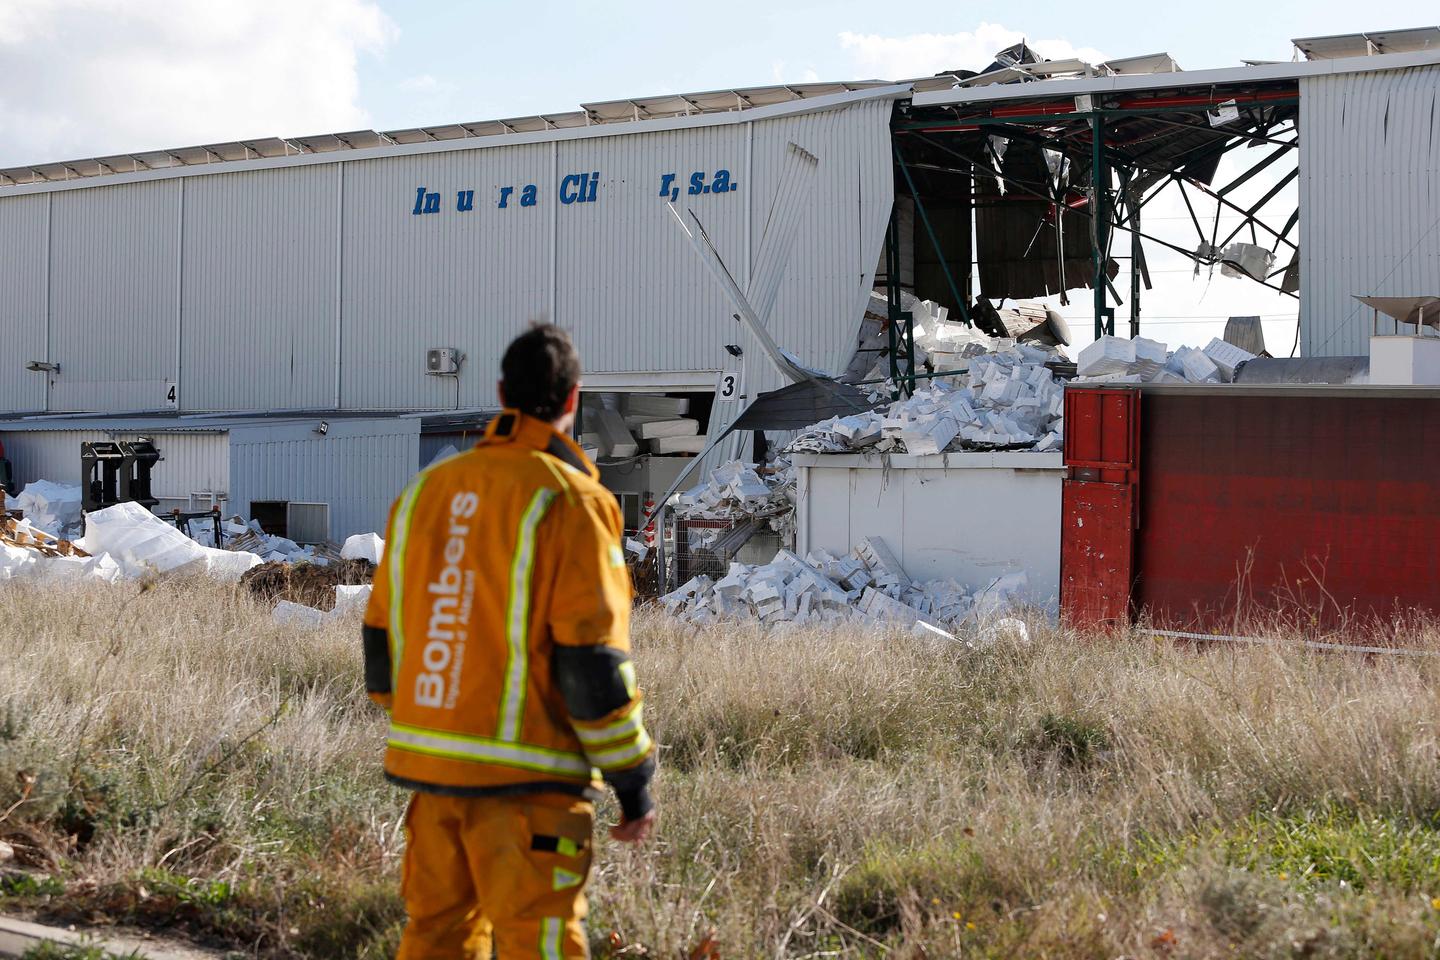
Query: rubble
x,y
1005,398
271,548
866,586
737,490
27,551
128,541
1115,359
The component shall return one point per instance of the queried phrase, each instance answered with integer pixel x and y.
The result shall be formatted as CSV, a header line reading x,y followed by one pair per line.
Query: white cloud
x,y
922,54
91,77
783,72
426,83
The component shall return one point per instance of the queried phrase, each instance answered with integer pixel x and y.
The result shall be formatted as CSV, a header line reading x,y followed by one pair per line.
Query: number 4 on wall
x,y
172,397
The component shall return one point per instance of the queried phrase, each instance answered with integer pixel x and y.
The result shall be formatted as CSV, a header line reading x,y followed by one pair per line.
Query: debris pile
x,y
52,507
867,585
127,540
1005,398
307,584
251,537
1118,360
737,490
942,345
27,551
624,425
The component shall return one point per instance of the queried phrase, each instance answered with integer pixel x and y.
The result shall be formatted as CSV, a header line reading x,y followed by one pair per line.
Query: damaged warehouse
x,y
357,288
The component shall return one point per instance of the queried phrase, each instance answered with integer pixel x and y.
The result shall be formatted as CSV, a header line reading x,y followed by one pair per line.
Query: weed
x,y
75,951
822,792
1072,740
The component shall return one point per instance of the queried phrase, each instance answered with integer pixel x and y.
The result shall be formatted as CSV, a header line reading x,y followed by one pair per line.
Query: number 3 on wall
x,y
730,385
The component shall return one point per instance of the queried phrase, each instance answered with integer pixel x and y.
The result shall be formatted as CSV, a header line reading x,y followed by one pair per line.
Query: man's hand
x,y
634,831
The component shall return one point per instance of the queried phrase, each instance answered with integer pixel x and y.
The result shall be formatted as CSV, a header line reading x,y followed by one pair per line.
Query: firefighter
x,y
497,637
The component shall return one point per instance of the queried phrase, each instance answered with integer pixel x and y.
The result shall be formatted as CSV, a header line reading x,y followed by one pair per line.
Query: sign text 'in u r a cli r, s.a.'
x,y
577,188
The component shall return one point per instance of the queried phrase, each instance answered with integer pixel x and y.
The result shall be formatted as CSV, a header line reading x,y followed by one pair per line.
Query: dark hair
x,y
540,368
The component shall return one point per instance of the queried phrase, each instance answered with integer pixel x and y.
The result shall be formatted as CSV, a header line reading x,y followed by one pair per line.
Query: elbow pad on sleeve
x,y
377,659
595,681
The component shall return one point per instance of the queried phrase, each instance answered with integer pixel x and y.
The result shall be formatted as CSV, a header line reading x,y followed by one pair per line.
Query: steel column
x,y
1099,225
902,338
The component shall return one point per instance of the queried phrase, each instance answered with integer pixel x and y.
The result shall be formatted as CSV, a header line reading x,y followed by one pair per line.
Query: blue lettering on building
x,y
581,187
426,202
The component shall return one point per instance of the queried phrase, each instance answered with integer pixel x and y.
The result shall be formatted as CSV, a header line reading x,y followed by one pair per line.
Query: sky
x,y
83,78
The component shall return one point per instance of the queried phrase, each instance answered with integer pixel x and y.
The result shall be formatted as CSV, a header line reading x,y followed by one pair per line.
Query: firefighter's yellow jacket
x,y
497,633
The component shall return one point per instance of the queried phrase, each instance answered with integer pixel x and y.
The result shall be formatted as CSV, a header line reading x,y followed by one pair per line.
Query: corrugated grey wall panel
x,y
113,290
259,290
629,284
358,467
469,279
817,310
1369,200
113,295
256,273
194,462
24,229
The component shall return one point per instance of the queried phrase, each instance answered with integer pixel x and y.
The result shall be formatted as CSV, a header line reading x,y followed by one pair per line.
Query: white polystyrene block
x,y
363,546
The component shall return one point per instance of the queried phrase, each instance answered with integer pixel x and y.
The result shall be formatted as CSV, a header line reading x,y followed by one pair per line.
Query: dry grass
x,y
180,760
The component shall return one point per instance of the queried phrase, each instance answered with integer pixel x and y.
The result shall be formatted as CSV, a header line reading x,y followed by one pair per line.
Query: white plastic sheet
x,y
140,543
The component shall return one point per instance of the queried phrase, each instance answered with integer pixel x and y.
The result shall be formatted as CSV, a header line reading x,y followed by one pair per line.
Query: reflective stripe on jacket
x,y
493,559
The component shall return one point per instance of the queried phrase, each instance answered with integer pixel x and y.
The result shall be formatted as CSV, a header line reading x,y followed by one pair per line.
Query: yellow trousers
x,y
496,873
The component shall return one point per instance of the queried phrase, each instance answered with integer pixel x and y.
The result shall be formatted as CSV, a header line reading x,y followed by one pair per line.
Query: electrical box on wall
x,y
443,361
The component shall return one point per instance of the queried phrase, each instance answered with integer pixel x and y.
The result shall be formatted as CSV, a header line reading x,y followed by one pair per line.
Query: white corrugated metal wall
x,y
447,279
24,242
1369,199
259,289
358,467
194,462
282,269
113,296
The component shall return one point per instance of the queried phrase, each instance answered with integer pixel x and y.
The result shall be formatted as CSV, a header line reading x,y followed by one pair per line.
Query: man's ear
x,y
572,401
500,392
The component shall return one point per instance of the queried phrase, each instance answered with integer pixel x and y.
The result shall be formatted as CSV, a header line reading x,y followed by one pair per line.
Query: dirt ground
x,y
307,583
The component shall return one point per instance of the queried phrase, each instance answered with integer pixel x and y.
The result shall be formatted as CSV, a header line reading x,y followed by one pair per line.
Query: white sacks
x,y
52,507
363,546
140,543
